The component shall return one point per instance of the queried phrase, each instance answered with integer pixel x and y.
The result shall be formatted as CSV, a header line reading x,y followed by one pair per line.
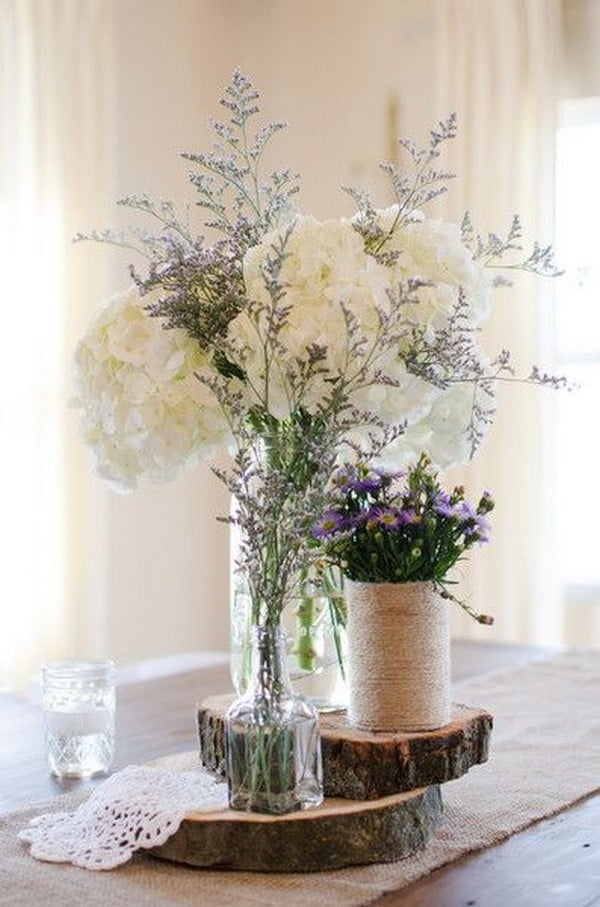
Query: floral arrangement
x,y
402,527
293,343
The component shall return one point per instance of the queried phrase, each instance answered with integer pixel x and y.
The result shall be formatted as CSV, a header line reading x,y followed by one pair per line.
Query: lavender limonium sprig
x,y
297,344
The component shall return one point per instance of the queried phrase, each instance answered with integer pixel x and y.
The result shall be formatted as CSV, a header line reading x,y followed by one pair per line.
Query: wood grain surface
x,y
372,831
555,863
363,765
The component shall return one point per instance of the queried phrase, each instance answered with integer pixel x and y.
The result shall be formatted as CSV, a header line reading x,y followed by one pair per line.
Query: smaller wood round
x,y
364,765
338,833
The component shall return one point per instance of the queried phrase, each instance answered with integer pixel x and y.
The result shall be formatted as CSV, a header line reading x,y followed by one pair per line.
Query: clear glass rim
x,y
80,669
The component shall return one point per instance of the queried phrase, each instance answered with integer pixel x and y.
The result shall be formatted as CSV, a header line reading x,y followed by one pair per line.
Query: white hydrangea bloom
x,y
433,250
145,414
326,267
443,432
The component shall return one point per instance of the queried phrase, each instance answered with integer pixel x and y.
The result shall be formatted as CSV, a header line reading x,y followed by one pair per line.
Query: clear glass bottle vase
x,y
314,624
273,746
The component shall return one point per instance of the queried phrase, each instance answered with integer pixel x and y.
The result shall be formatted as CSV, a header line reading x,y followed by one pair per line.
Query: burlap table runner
x,y
545,756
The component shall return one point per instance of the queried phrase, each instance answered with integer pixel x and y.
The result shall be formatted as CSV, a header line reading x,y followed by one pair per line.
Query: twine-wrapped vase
x,y
398,657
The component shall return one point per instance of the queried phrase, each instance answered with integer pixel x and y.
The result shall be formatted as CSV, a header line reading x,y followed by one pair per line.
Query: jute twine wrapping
x,y
398,657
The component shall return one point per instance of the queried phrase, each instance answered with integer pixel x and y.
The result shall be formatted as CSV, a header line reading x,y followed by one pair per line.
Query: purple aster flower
x,y
483,529
389,518
478,529
357,519
371,481
345,477
465,510
330,523
447,511
443,507
371,521
408,516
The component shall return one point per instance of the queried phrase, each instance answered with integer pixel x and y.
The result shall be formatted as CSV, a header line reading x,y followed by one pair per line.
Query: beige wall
x,y
581,76
349,76
332,70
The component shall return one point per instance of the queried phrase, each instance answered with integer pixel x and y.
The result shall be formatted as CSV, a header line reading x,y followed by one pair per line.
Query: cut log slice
x,y
338,833
365,765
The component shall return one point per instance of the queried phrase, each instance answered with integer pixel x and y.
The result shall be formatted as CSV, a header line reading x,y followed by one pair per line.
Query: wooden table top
x,y
554,862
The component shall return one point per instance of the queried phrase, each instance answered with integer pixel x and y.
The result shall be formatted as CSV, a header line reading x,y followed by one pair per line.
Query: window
x,y
578,348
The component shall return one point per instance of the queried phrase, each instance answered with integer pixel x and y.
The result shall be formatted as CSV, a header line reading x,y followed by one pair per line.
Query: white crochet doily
x,y
136,808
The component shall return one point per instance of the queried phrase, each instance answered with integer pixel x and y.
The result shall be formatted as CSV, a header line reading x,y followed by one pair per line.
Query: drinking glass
x,y
78,700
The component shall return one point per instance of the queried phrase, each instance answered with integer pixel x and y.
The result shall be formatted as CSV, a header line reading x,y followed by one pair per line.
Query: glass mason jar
x,y
273,745
78,701
314,624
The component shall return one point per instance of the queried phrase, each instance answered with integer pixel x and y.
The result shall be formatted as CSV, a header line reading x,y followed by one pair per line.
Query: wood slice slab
x,y
365,765
338,833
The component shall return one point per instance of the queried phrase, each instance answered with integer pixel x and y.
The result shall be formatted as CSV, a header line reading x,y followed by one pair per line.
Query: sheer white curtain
x,y
497,66
500,70
53,81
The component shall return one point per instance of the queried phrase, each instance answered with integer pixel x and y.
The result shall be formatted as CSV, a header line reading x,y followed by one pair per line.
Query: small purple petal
x,y
466,510
330,523
445,509
345,477
408,516
479,529
370,482
389,518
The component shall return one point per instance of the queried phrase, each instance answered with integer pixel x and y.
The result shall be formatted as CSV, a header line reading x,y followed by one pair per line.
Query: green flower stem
x,y
337,612
305,651
332,581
